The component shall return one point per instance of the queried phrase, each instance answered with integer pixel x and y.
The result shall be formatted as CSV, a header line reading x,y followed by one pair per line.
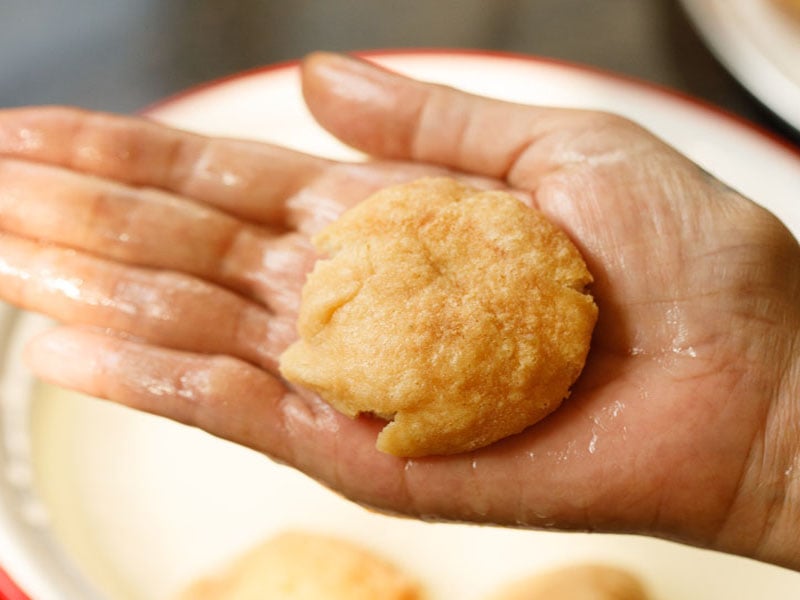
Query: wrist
x,y
763,521
780,543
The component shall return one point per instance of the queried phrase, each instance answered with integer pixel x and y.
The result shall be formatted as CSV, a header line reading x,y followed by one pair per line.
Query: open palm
x,y
176,261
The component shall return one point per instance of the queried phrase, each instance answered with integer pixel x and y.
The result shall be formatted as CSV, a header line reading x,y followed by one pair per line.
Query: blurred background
x,y
121,55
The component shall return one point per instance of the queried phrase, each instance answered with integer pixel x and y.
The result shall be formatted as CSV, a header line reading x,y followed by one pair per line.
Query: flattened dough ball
x,y
303,566
460,315
577,582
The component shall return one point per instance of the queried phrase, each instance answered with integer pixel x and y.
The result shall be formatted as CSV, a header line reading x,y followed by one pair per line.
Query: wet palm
x,y
184,256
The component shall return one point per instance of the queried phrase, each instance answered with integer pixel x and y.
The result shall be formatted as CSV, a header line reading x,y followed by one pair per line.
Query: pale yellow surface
x,y
579,582
458,314
304,566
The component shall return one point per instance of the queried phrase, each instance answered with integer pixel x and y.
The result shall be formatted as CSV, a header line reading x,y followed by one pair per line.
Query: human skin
x,y
175,263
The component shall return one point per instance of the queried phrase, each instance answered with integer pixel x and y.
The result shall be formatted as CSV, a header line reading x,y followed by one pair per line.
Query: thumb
x,y
391,116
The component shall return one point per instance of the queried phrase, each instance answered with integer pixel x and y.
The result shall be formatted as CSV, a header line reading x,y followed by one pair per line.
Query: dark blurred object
x,y
121,55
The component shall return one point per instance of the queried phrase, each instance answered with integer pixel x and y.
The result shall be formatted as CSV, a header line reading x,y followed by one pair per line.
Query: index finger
x,y
250,180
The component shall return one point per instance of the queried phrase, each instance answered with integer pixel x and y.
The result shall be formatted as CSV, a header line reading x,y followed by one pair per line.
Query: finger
x,y
164,308
228,398
137,226
247,179
386,114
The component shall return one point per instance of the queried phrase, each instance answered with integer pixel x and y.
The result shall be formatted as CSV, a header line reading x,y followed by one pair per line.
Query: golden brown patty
x,y
303,566
458,314
579,582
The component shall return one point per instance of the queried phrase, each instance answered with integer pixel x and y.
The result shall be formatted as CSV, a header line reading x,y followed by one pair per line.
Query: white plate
x,y
760,44
101,502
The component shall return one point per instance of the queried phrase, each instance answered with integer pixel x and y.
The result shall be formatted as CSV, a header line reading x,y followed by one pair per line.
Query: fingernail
x,y
352,78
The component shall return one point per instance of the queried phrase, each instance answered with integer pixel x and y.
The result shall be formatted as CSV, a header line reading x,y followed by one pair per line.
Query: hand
x,y
176,263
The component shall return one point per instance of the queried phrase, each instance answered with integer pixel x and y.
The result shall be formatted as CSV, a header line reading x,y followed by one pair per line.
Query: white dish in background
x,y
760,44
123,505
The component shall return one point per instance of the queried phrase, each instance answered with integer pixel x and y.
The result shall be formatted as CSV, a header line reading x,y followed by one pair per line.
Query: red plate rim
x,y
9,590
